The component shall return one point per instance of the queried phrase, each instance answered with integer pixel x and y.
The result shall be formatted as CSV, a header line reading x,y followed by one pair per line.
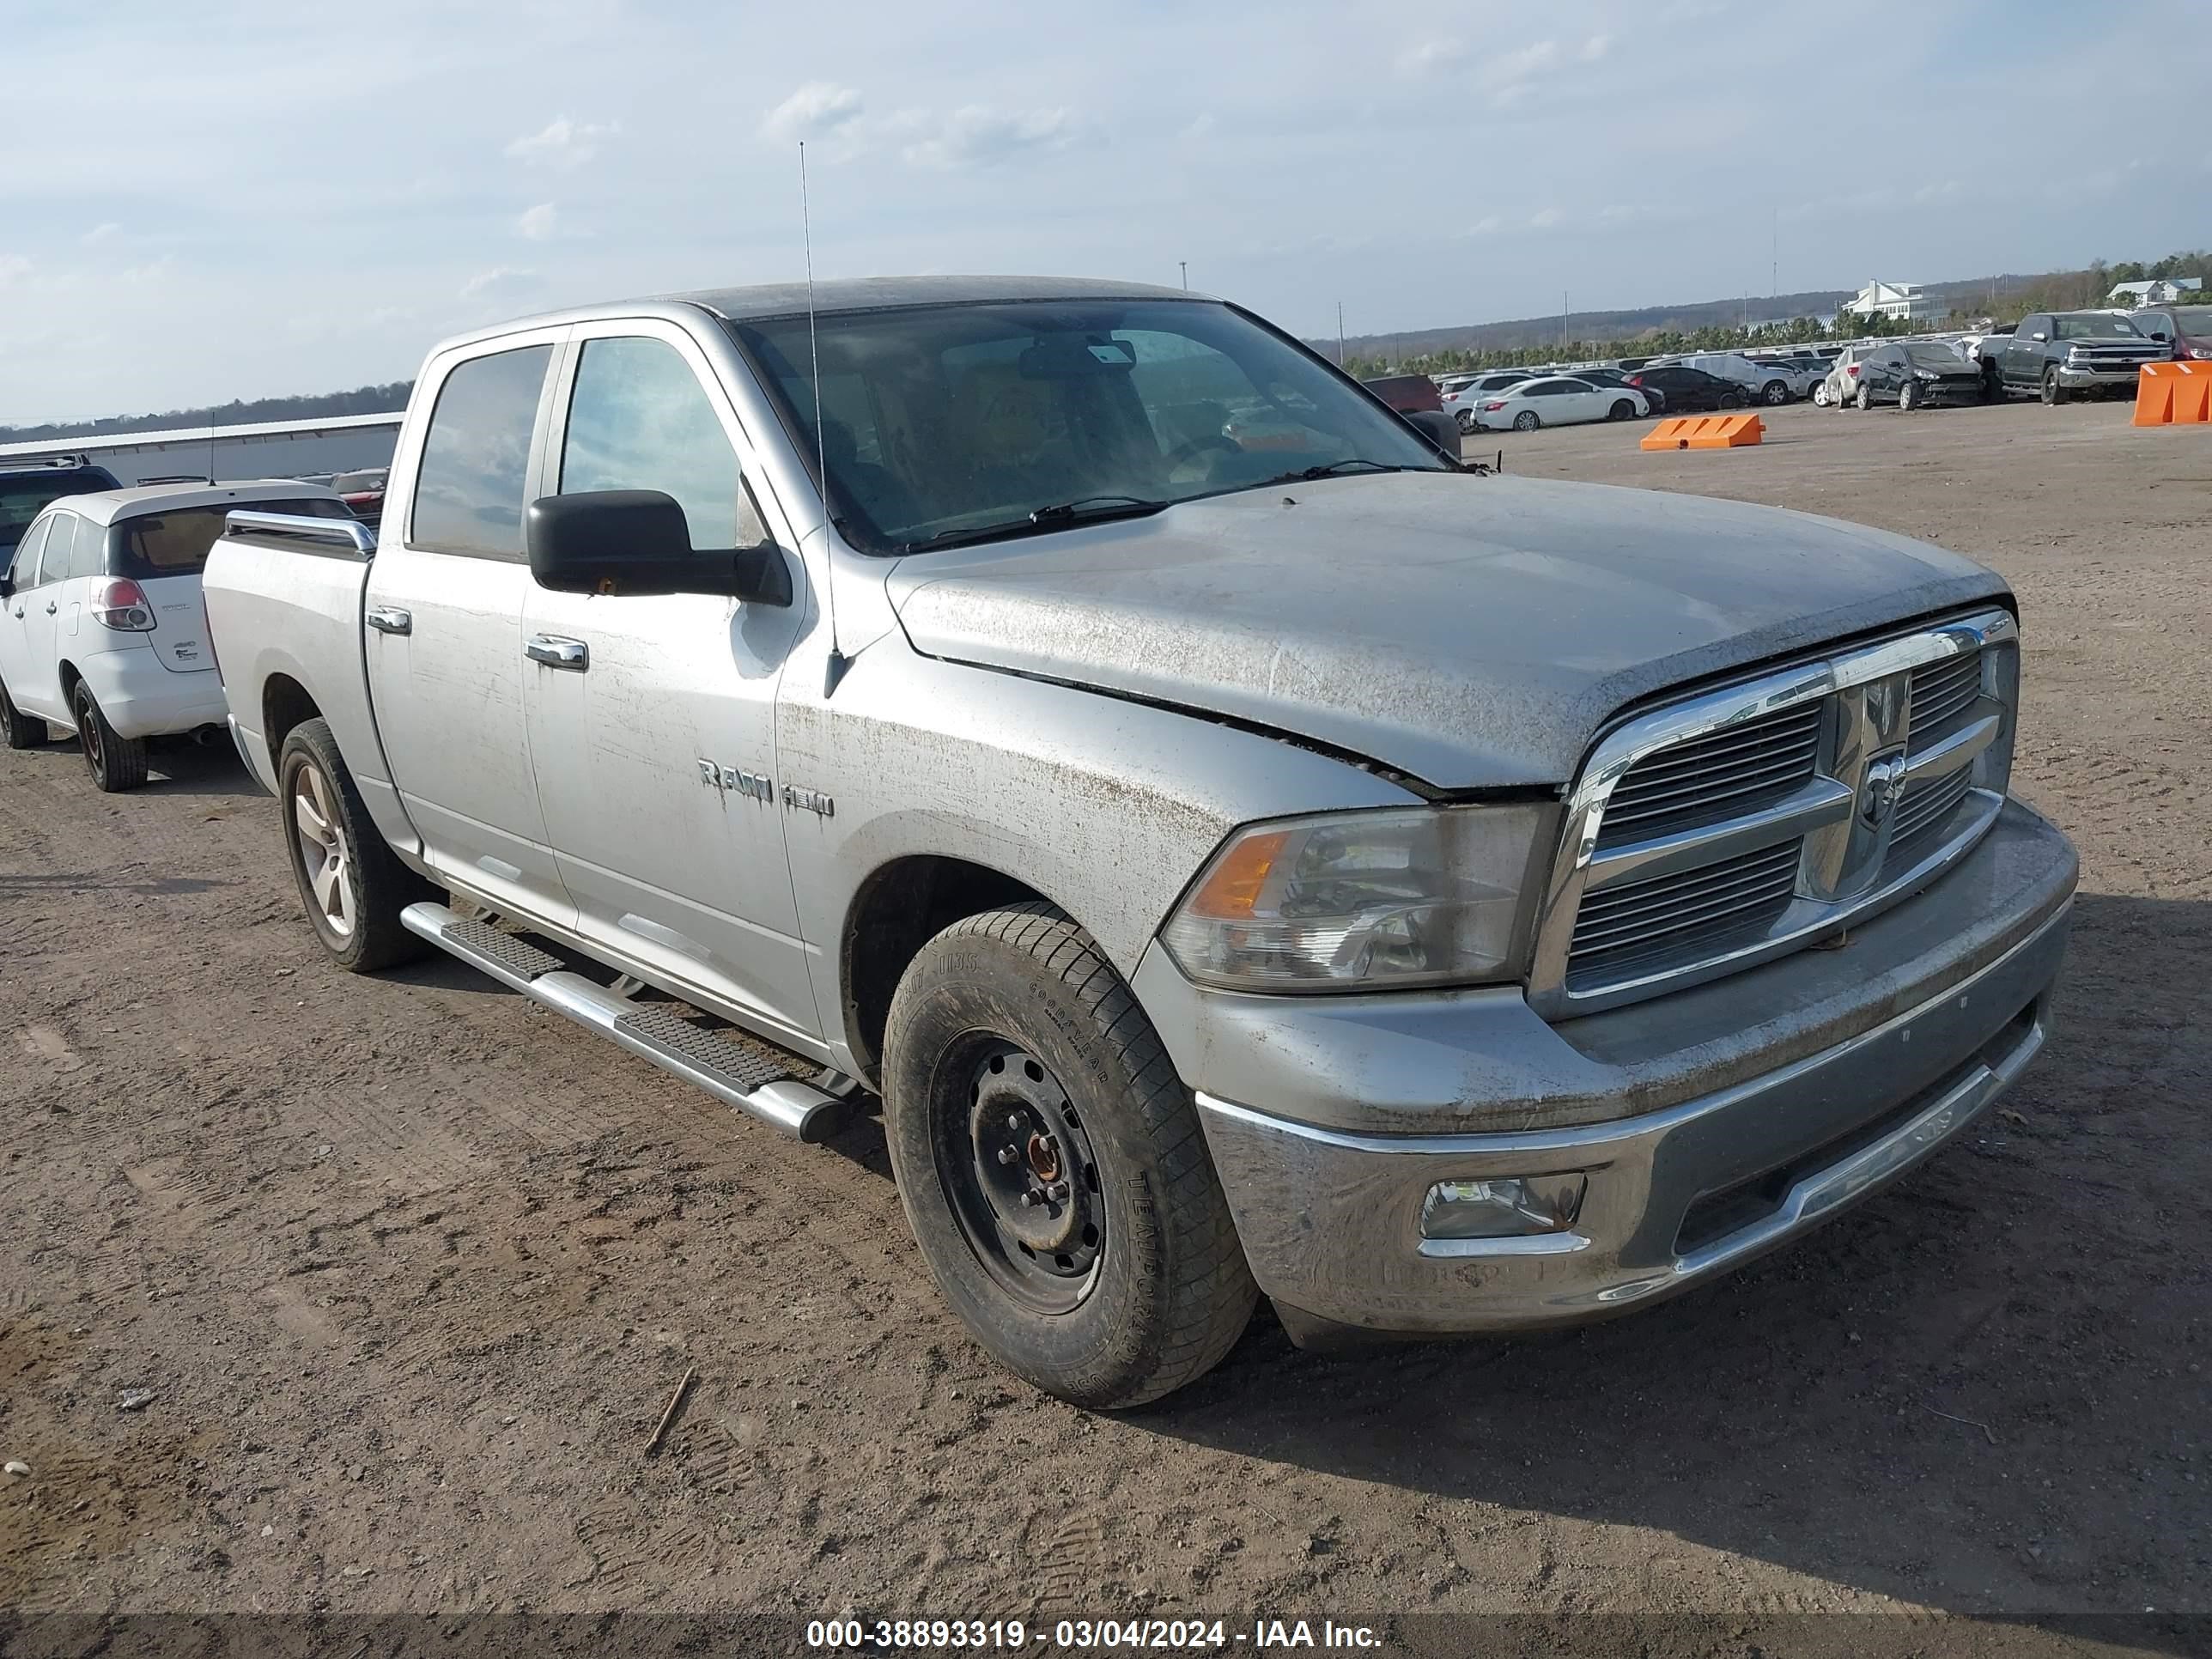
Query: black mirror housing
x,y
7,587
637,543
1440,430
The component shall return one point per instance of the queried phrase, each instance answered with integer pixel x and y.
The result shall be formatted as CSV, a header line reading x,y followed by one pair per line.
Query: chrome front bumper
x,y
1331,1223
2077,380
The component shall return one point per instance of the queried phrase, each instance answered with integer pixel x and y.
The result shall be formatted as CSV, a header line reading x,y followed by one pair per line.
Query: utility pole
x,y
1774,269
1339,334
1562,322
1185,263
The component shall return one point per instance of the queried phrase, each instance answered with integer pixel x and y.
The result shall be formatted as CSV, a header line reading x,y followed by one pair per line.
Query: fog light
x,y
1513,1208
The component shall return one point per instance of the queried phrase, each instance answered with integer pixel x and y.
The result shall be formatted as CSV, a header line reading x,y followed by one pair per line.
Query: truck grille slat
x,y
1629,938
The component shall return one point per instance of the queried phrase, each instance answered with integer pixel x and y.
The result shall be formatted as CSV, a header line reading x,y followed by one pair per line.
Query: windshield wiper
x,y
1333,469
1056,515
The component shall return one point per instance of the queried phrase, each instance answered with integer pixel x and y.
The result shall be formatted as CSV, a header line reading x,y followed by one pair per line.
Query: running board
x,y
740,1071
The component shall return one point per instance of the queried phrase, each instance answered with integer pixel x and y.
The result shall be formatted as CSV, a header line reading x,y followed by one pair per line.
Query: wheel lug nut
x,y
1031,1198
1014,1122
1057,1190
1007,1155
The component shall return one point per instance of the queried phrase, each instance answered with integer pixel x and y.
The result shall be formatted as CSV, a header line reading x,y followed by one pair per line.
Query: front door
x,y
652,719
444,629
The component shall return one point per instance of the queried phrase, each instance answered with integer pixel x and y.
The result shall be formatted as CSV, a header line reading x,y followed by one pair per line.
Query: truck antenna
x,y
837,663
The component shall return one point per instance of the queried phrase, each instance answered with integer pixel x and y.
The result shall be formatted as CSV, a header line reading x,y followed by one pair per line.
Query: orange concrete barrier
x,y
2174,394
1705,432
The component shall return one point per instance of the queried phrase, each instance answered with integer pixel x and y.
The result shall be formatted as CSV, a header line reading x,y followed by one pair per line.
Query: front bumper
x,y
2111,379
1330,1216
142,699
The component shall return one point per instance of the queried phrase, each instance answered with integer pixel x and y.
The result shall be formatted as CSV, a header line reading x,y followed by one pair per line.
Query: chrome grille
x,y
1730,827
1926,804
1715,777
1942,691
1694,910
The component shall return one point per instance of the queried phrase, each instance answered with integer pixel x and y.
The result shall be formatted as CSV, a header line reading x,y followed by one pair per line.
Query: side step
x,y
740,1071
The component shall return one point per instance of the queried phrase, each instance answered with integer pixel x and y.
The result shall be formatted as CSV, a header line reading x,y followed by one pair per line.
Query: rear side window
x,y
476,456
91,548
176,543
638,419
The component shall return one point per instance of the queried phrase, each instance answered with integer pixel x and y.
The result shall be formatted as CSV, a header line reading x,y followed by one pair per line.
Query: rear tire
x,y
351,882
117,762
1466,422
1776,392
1820,395
1011,1033
1526,421
1732,400
2053,392
23,731
1865,398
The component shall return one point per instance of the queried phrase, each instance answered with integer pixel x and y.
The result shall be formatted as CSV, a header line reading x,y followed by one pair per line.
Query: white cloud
x,y
1596,48
538,224
1546,219
105,231
1489,225
154,270
820,109
1430,56
13,265
1509,74
977,135
1201,127
498,282
562,142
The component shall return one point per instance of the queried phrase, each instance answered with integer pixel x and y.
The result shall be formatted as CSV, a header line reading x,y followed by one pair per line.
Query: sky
x,y
237,199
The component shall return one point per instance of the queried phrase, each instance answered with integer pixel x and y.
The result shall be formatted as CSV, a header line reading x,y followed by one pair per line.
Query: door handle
x,y
50,607
389,619
558,653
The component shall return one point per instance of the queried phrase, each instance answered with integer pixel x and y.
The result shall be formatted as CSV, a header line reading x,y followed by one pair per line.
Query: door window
x,y
61,538
476,456
27,556
638,419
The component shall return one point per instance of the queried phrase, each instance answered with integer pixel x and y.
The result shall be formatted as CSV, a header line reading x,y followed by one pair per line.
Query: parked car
x,y
1406,394
1913,374
103,634
1691,390
2185,330
923,726
1462,404
2058,353
30,482
1654,400
363,492
1559,400
1766,383
1840,384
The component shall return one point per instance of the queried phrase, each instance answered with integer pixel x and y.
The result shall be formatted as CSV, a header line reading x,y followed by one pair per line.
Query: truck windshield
x,y
2090,326
967,423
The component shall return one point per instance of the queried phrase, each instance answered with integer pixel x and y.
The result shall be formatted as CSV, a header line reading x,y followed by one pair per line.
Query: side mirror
x,y
637,543
2039,335
2156,335
1439,428
7,587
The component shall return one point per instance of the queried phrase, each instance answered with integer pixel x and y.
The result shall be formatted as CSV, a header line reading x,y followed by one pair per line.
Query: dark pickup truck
x,y
2056,354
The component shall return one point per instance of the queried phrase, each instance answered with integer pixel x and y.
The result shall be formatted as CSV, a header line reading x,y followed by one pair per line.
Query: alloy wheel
x,y
324,854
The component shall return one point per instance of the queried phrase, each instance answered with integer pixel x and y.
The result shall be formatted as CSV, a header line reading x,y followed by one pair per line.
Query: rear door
x,y
443,635
652,720
2024,352
25,625
42,620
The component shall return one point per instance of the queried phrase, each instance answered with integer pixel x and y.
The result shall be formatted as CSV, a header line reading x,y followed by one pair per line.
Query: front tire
x,y
1052,1166
1732,400
1776,392
116,763
353,886
23,731
1526,421
1908,396
1622,409
1466,422
2053,392
1865,398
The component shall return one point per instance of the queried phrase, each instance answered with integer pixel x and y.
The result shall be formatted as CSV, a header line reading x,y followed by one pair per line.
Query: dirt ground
x,y
409,1267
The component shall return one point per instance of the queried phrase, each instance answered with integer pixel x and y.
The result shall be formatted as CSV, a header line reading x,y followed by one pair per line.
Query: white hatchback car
x,y
101,628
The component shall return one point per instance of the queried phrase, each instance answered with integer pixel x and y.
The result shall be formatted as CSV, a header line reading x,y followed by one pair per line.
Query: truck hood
x,y
1469,632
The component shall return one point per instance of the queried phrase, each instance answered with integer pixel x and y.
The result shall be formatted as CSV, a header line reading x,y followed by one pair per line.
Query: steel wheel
x,y
88,737
1017,1166
324,855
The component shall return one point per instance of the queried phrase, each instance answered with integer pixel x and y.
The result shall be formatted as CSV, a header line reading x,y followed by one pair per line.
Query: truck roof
x,y
767,299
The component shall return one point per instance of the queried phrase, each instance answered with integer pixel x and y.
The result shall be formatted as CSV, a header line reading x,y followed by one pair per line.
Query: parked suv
x,y
2185,330
102,631
1691,390
1437,901
28,483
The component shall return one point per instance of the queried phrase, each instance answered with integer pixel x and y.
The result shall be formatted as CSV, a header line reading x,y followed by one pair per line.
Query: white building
x,y
2159,291
259,449
1892,301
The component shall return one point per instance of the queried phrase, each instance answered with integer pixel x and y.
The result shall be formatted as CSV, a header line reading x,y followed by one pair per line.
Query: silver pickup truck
x,y
1242,849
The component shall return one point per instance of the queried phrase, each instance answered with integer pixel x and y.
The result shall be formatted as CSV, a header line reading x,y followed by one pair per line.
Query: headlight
x,y
1364,901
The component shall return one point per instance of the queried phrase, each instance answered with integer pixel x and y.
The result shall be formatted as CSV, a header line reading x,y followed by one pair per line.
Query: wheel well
x,y
284,704
71,676
898,910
